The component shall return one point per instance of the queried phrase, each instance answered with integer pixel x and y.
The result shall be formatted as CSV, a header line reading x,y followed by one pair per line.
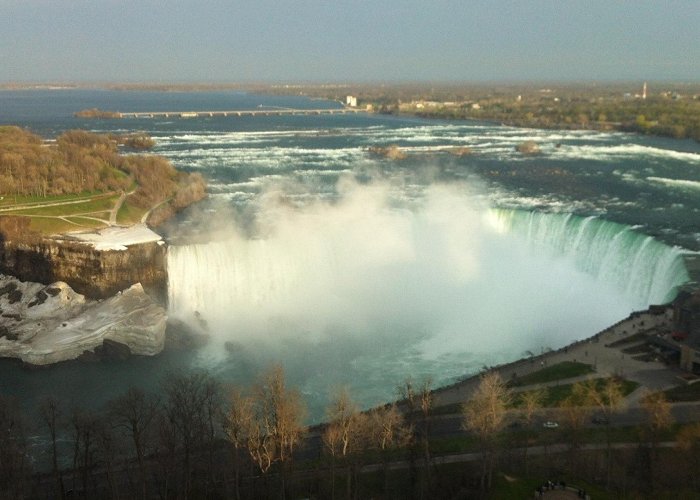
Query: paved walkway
x,y
607,361
559,495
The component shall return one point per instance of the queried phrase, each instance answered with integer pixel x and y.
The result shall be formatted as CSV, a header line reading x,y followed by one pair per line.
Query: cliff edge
x,y
97,264
47,324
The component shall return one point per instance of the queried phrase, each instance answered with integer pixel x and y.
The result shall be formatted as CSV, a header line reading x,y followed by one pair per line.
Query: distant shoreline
x,y
671,110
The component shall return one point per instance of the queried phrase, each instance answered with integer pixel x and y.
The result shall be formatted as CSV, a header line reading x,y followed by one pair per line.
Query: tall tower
x,y
644,90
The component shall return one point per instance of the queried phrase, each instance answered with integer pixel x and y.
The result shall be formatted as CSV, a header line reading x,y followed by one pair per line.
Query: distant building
x,y
644,90
351,101
687,327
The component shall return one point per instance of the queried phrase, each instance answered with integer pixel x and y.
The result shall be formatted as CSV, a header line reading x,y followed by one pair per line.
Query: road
x,y
444,426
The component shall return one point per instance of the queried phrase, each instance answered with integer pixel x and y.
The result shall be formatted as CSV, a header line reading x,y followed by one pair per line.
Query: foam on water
x,y
439,287
620,151
643,269
678,183
365,289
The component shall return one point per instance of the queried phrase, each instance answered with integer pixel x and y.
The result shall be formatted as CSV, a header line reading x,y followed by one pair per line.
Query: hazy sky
x,y
342,40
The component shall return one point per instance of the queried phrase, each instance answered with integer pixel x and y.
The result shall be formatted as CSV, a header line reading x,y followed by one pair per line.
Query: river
x,y
353,269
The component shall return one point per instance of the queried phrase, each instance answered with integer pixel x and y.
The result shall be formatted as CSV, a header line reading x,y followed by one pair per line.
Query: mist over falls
x,y
382,282
361,292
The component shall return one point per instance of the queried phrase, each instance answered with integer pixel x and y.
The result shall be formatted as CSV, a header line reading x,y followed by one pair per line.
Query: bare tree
x,y
388,431
342,432
688,442
166,447
608,399
213,405
107,445
575,411
51,415
279,414
189,409
237,421
659,418
13,451
658,411
260,444
85,424
134,412
531,402
419,402
484,415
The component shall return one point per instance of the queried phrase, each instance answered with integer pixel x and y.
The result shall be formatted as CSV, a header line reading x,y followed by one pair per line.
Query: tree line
x,y
675,112
83,162
679,119
80,161
200,438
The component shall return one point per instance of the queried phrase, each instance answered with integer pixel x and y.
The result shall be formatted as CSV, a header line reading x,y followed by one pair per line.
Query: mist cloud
x,y
427,286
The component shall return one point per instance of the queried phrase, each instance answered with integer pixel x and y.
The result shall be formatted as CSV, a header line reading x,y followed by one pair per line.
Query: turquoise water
x,y
355,269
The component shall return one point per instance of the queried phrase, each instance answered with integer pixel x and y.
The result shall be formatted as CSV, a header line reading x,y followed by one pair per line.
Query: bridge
x,y
238,112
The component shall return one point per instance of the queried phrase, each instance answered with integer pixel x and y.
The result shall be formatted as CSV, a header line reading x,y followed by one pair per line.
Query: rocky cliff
x,y
47,324
95,273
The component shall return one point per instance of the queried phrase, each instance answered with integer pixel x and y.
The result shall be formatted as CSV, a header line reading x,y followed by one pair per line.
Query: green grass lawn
x,y
9,200
558,393
88,206
553,395
637,337
563,370
684,393
129,214
77,216
50,225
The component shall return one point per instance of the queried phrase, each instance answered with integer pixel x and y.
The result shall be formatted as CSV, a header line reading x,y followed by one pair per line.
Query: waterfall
x,y
440,268
638,266
245,274
354,292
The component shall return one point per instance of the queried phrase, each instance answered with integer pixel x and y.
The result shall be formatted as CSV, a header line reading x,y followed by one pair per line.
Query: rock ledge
x,y
48,324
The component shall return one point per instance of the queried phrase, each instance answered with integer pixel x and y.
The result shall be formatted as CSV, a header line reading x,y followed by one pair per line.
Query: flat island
x,y
81,271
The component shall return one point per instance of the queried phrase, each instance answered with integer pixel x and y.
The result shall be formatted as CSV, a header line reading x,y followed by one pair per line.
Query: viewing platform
x,y
692,265
237,113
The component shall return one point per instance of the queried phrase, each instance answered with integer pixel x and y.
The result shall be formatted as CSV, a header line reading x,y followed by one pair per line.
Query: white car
x,y
550,425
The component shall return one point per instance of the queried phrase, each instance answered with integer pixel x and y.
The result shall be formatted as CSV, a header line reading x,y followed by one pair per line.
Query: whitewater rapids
x,y
438,290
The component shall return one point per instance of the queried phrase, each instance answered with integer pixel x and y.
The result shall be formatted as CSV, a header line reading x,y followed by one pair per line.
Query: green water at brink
x,y
611,213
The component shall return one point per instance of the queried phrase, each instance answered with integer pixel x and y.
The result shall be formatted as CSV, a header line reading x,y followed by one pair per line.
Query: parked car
x,y
600,420
550,425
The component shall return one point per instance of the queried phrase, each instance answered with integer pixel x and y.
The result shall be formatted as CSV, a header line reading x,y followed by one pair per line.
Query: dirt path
x,y
145,216
110,221
115,209
33,205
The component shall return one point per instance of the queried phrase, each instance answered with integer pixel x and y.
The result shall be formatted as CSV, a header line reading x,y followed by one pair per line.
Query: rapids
x,y
363,287
438,289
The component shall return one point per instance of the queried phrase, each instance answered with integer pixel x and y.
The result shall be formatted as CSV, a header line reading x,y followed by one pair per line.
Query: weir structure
x,y
237,113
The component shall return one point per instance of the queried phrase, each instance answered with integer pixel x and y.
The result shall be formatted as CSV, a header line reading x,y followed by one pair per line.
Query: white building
x,y
351,101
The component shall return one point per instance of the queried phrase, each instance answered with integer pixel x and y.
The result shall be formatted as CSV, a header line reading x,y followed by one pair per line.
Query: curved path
x,y
110,221
34,205
145,216
115,209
